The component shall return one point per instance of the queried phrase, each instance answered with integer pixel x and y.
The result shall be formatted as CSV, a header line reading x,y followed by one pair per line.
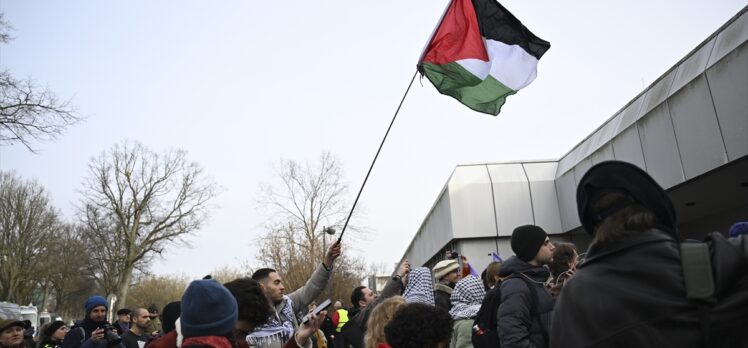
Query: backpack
x,y
485,334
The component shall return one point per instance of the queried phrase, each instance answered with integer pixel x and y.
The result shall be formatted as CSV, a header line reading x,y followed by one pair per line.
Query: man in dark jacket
x,y
630,290
123,321
90,332
526,305
352,333
445,277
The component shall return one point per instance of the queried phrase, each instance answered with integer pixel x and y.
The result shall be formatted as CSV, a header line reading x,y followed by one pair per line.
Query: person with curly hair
x,y
254,307
418,325
563,266
381,316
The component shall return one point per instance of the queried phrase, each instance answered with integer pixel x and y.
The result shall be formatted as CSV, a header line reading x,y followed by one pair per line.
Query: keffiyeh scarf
x,y
420,287
274,329
467,298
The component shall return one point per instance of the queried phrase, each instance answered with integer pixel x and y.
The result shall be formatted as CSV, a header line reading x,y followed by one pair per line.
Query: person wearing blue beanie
x,y
93,302
209,313
90,332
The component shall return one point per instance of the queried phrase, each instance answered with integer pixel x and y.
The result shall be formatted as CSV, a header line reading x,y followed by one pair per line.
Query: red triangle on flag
x,y
458,36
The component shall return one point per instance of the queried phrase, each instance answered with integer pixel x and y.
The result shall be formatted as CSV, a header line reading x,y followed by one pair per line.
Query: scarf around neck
x,y
274,329
208,341
467,298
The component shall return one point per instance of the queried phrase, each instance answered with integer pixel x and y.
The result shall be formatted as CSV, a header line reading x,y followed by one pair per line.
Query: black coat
x,y
442,299
352,333
632,294
519,325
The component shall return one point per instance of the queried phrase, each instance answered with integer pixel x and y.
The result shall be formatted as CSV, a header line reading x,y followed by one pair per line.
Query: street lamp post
x,y
326,231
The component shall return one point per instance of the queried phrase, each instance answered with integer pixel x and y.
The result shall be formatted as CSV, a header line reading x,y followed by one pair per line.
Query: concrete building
x,y
688,130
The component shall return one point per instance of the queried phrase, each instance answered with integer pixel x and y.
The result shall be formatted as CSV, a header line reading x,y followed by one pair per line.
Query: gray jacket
x,y
301,298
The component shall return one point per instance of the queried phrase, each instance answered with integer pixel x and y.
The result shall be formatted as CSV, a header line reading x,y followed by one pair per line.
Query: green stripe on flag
x,y
452,79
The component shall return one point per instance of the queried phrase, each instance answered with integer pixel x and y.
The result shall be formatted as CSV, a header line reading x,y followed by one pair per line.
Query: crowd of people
x,y
640,284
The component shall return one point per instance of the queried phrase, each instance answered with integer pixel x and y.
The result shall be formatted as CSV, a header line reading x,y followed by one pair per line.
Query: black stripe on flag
x,y
497,23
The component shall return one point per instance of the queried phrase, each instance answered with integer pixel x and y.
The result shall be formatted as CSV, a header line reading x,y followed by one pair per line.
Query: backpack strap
x,y
534,311
697,271
696,262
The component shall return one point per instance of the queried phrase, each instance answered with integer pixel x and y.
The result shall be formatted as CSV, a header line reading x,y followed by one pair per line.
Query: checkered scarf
x,y
467,298
420,287
275,329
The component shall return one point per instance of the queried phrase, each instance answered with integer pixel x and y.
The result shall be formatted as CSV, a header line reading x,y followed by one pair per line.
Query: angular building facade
x,y
688,130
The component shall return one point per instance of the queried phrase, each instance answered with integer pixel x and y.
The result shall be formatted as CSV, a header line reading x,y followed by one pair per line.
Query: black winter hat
x,y
53,326
626,178
169,315
124,311
527,240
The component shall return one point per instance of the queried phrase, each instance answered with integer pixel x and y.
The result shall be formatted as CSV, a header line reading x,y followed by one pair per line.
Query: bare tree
x,y
135,204
306,197
28,223
5,29
158,290
28,112
66,279
225,273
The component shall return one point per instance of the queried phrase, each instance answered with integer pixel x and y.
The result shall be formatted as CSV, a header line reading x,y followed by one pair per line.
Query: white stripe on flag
x,y
509,64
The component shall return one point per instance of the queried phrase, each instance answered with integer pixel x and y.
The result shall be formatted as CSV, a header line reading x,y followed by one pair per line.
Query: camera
x,y
110,335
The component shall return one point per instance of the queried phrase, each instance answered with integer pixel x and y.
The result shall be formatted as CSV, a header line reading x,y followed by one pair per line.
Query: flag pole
x,y
376,156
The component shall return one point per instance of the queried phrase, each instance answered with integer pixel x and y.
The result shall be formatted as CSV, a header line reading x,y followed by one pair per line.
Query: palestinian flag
x,y
480,54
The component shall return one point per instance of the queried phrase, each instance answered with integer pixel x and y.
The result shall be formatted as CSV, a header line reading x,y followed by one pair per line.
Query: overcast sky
x,y
240,84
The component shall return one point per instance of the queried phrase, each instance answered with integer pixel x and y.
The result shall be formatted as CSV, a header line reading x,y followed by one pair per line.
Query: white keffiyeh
x,y
420,287
467,298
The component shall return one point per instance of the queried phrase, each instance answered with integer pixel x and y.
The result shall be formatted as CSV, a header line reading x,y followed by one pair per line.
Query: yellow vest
x,y
342,319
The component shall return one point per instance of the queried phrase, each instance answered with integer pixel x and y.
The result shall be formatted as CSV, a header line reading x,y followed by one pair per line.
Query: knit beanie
x,y
53,326
93,302
738,229
444,267
527,240
208,309
171,312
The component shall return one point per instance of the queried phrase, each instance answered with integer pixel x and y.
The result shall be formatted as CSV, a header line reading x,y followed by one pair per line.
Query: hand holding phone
x,y
321,307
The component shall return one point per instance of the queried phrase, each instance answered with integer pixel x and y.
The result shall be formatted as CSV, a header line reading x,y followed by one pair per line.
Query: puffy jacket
x,y
632,294
517,325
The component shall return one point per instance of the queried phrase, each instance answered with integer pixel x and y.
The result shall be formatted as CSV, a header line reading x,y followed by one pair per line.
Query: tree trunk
x,y
46,289
123,285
